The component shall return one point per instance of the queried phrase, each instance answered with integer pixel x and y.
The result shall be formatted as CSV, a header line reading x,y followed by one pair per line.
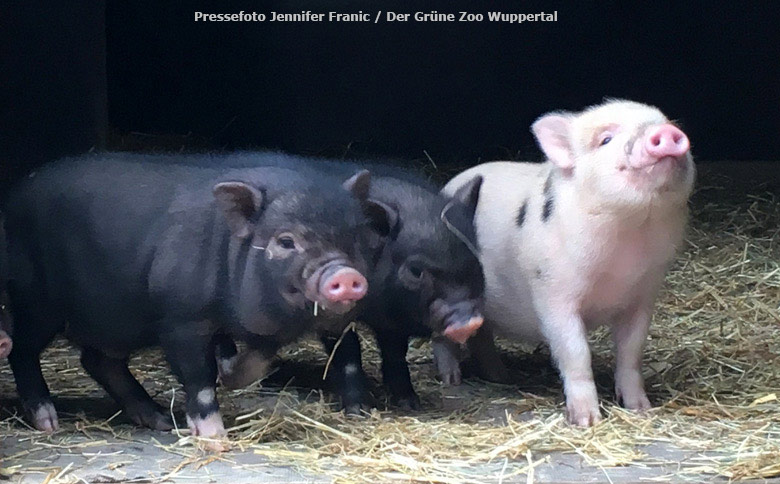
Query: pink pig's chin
x,y
655,176
649,164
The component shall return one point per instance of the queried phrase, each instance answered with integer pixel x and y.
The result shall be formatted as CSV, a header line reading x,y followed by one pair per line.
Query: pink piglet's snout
x,y
345,285
666,140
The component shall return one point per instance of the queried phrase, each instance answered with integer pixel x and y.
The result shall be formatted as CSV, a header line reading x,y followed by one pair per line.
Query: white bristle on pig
x,y
582,240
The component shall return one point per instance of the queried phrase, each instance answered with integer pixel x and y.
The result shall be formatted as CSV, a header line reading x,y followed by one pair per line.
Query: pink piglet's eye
x,y
605,139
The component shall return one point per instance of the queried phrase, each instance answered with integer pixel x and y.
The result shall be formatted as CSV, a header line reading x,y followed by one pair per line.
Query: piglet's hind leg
x,y
115,377
37,324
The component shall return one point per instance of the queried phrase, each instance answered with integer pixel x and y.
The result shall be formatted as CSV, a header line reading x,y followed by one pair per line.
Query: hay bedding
x,y
711,364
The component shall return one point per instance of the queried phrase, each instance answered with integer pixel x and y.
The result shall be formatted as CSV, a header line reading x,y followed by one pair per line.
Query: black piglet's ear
x,y
359,184
468,194
240,203
458,214
383,217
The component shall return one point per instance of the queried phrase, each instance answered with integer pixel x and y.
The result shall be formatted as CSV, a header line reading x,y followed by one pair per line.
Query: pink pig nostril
x,y
666,140
345,285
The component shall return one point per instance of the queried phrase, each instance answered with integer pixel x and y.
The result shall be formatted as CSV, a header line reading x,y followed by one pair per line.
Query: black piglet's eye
x,y
287,242
416,271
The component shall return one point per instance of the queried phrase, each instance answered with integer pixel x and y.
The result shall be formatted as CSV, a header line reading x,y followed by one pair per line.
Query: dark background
x,y
144,75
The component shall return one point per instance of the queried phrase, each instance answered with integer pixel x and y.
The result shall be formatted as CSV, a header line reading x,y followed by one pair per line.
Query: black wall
x,y
460,91
52,81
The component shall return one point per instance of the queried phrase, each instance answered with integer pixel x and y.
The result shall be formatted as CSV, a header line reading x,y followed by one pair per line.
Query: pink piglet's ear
x,y
552,134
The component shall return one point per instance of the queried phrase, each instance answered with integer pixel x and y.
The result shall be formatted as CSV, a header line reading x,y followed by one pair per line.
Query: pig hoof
x,y
153,417
209,427
448,367
211,445
630,391
409,403
44,418
639,403
449,372
356,410
451,377
582,402
357,407
227,366
583,416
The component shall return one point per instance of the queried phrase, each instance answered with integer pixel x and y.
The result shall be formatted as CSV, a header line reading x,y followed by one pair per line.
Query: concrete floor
x,y
125,454
129,454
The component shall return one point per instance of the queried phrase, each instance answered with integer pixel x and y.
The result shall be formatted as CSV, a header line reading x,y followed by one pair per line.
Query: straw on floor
x,y
711,367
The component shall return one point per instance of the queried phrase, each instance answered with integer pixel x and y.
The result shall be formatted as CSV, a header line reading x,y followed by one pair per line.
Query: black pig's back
x,y
100,238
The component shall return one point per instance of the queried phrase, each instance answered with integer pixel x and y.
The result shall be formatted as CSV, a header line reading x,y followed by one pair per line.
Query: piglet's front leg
x,y
190,352
447,356
629,338
346,372
395,369
568,340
